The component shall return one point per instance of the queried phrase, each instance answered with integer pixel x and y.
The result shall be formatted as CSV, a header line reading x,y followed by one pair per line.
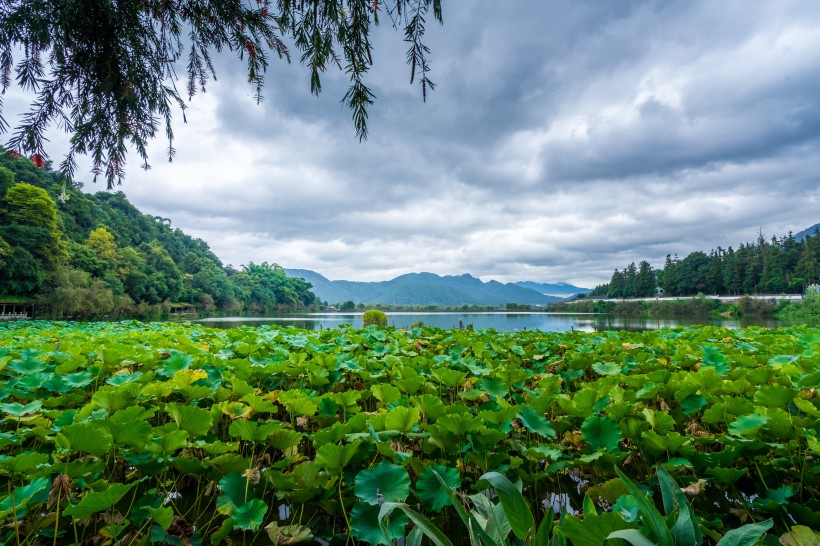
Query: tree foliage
x,y
89,255
778,265
107,71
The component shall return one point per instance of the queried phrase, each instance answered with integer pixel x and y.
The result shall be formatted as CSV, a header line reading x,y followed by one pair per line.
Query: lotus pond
x,y
131,433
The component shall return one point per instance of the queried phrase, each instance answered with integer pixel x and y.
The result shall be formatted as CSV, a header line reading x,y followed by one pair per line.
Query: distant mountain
x,y
560,289
810,231
424,289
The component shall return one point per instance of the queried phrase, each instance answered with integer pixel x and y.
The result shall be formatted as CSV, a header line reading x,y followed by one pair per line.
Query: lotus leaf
x,y
431,491
601,432
94,502
383,482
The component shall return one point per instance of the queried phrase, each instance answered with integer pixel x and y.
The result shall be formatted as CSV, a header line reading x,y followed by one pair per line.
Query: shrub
x,y
374,316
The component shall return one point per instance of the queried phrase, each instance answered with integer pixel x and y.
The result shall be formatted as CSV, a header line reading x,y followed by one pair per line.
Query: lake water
x,y
500,321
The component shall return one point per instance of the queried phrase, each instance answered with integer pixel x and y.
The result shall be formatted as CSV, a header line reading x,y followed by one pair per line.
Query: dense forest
x,y
74,254
776,266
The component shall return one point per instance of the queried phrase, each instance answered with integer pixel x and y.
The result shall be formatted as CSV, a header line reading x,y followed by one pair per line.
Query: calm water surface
x,y
501,321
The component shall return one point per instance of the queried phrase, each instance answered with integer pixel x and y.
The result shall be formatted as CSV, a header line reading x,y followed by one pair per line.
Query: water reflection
x,y
500,321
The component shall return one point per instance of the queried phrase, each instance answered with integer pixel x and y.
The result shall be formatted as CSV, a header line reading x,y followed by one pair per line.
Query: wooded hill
x,y
776,266
75,254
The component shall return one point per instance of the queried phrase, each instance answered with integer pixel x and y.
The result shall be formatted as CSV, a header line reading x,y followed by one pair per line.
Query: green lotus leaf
x,y
449,378
36,492
85,437
163,516
28,365
176,362
252,431
601,432
726,475
334,458
249,517
19,410
123,378
78,380
234,492
593,529
747,424
94,501
494,386
24,463
349,400
458,424
607,368
774,396
714,358
429,405
167,443
670,442
383,482
385,393
535,422
284,439
259,404
402,419
297,403
195,421
692,403
364,521
429,489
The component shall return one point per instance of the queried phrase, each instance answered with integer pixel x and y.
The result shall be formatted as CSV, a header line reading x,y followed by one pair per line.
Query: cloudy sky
x,y
563,139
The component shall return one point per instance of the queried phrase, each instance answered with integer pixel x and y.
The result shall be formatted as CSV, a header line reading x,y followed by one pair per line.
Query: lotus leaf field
x,y
163,433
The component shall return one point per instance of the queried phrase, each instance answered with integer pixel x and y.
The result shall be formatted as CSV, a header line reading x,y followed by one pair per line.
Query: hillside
x,y
78,254
423,289
561,289
808,231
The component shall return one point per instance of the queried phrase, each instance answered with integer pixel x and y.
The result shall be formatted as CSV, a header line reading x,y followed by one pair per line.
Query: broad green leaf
x,y
747,424
601,432
591,530
649,514
20,410
284,439
430,491
536,422
35,492
364,521
195,421
402,419
94,502
334,458
249,517
385,393
163,516
632,536
606,368
85,437
252,431
431,407
383,482
747,535
427,527
516,508
234,492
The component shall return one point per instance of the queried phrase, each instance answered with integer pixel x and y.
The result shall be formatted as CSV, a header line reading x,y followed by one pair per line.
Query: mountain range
x,y
808,231
432,289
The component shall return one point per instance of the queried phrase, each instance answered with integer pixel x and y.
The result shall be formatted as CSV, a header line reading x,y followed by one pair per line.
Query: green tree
x,y
107,70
